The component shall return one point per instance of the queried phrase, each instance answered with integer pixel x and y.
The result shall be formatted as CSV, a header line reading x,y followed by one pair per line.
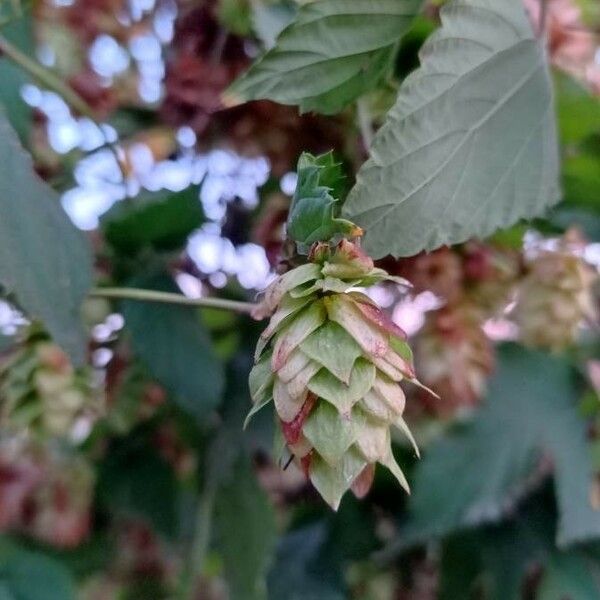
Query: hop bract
x,y
332,361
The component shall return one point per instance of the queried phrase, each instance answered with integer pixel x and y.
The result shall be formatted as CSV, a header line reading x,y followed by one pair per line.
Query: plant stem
x,y
46,77
169,298
365,123
194,563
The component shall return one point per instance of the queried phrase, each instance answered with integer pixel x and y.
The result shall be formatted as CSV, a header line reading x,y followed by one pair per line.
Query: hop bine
x,y
331,361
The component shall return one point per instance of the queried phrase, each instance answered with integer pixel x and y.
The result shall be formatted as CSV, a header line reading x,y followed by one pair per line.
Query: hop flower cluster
x,y
554,298
331,361
44,493
41,392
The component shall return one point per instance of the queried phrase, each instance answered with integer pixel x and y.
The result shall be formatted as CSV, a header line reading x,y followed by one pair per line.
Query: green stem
x,y
365,122
169,298
201,542
46,77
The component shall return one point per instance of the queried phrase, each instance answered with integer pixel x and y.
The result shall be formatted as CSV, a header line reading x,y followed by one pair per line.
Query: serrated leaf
x,y
270,19
172,341
476,474
27,575
470,145
314,214
332,52
246,533
44,260
161,221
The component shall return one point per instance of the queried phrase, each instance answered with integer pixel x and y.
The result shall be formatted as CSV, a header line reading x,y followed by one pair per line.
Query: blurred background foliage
x,y
126,475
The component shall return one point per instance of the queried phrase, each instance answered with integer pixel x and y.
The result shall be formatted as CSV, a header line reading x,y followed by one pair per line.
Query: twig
x,y
365,122
46,77
169,298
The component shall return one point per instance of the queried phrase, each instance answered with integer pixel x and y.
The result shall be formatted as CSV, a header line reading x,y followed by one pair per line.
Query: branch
x,y
46,78
169,298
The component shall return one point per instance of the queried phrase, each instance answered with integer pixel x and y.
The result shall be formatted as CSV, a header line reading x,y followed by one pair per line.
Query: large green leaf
x,y
498,560
173,343
331,53
478,473
26,575
161,221
44,260
470,145
13,78
571,576
246,532
304,570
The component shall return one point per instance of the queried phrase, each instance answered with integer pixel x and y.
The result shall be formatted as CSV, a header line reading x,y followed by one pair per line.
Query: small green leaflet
x,y
470,145
313,215
473,475
333,52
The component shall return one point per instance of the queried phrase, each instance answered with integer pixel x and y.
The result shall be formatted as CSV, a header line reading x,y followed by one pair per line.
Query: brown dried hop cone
x,y
41,392
554,298
331,361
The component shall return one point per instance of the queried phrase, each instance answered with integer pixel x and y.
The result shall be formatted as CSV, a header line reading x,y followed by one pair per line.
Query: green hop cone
x,y
331,361
41,392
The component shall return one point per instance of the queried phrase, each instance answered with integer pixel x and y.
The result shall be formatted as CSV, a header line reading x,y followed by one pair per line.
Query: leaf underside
x,y
470,145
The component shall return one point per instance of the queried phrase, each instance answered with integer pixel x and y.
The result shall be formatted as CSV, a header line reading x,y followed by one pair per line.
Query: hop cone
x,y
41,391
455,358
554,298
331,361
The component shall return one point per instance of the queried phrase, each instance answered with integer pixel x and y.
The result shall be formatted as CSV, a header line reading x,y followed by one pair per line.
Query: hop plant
x,y
554,298
331,361
41,392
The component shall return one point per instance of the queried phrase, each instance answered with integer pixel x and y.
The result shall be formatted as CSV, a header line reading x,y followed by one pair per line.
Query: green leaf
x,y
333,52
45,261
173,343
246,532
476,474
161,221
136,482
314,212
470,145
269,19
304,569
19,33
569,576
578,110
26,575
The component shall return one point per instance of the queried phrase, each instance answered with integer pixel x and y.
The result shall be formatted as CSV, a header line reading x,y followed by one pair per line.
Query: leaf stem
x,y
46,77
169,298
365,122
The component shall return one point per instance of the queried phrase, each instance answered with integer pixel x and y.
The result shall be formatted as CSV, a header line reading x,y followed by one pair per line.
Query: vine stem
x,y
365,122
51,81
170,298
201,542
46,77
